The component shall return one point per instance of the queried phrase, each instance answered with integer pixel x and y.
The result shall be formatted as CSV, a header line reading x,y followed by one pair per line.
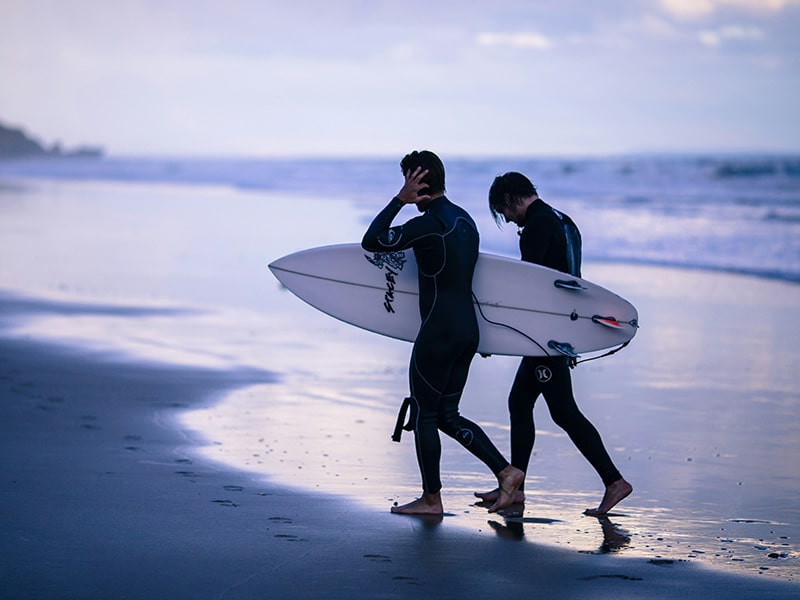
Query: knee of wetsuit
x,y
567,419
448,421
519,404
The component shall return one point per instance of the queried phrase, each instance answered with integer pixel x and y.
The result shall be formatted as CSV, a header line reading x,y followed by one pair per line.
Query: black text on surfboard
x,y
391,263
388,297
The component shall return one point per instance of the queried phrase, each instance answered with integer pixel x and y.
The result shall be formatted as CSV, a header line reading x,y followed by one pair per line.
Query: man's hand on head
x,y
410,192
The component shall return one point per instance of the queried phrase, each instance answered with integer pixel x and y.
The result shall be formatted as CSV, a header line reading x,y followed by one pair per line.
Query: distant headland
x,y
15,143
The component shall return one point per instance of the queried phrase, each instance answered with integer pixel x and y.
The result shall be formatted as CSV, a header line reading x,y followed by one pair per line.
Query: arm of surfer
x,y
380,235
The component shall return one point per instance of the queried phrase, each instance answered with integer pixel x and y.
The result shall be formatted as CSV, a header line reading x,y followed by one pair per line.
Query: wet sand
x,y
103,496
175,425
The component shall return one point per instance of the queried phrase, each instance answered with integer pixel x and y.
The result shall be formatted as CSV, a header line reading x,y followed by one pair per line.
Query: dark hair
x,y
427,160
509,190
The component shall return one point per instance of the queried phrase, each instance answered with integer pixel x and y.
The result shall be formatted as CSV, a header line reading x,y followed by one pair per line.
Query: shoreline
x,y
101,499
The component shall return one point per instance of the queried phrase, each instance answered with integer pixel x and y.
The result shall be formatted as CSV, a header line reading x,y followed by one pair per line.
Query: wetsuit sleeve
x,y
382,237
535,240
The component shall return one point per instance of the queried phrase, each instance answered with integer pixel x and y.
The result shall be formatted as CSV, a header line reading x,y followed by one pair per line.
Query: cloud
x,y
694,9
248,76
716,37
515,40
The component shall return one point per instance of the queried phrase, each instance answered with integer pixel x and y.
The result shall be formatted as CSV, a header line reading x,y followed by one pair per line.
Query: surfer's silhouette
x,y
445,244
549,238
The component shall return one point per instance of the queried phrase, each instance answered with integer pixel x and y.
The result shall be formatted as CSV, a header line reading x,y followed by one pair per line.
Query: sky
x,y
373,78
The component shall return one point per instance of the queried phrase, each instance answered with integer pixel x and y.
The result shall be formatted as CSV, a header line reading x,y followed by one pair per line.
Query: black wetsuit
x,y
550,238
445,243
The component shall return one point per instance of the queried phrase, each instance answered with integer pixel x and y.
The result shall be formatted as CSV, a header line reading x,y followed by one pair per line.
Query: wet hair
x,y
427,160
509,190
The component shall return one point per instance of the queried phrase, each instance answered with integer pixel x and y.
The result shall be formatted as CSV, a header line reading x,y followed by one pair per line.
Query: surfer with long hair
x,y
549,238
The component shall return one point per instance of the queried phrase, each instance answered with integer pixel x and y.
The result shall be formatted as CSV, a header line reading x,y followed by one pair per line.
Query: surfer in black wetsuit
x,y
549,238
445,243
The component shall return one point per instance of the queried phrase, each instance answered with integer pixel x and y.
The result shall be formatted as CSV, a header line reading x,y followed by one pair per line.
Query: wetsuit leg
x,y
521,399
566,414
425,407
437,381
465,432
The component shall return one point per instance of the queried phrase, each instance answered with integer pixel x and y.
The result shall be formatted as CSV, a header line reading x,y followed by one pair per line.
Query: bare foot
x,y
513,510
519,496
509,479
615,493
427,504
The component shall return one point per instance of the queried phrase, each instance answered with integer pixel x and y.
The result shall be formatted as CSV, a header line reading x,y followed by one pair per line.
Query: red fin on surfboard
x,y
608,322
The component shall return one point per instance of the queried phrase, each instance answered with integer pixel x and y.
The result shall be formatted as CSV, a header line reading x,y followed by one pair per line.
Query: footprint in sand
x,y
661,562
282,520
89,422
225,503
52,400
377,558
290,538
625,577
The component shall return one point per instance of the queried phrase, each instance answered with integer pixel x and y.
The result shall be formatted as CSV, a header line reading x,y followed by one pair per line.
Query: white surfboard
x,y
523,309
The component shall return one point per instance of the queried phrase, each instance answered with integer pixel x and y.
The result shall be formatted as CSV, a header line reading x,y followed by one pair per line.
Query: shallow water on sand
x,y
699,412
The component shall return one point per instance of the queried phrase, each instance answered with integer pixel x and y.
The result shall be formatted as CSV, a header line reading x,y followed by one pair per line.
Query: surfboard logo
x,y
391,263
396,260
543,374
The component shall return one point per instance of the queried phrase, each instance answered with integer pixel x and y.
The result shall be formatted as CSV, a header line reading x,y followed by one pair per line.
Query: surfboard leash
x,y
609,353
506,325
522,333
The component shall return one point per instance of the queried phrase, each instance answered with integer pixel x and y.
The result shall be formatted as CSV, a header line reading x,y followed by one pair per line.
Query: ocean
x,y
739,214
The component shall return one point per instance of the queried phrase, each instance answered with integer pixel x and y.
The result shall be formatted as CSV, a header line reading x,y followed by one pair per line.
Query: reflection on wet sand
x,y
615,538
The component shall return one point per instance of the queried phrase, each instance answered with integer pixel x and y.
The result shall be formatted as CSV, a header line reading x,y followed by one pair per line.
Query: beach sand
x,y
174,425
103,496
